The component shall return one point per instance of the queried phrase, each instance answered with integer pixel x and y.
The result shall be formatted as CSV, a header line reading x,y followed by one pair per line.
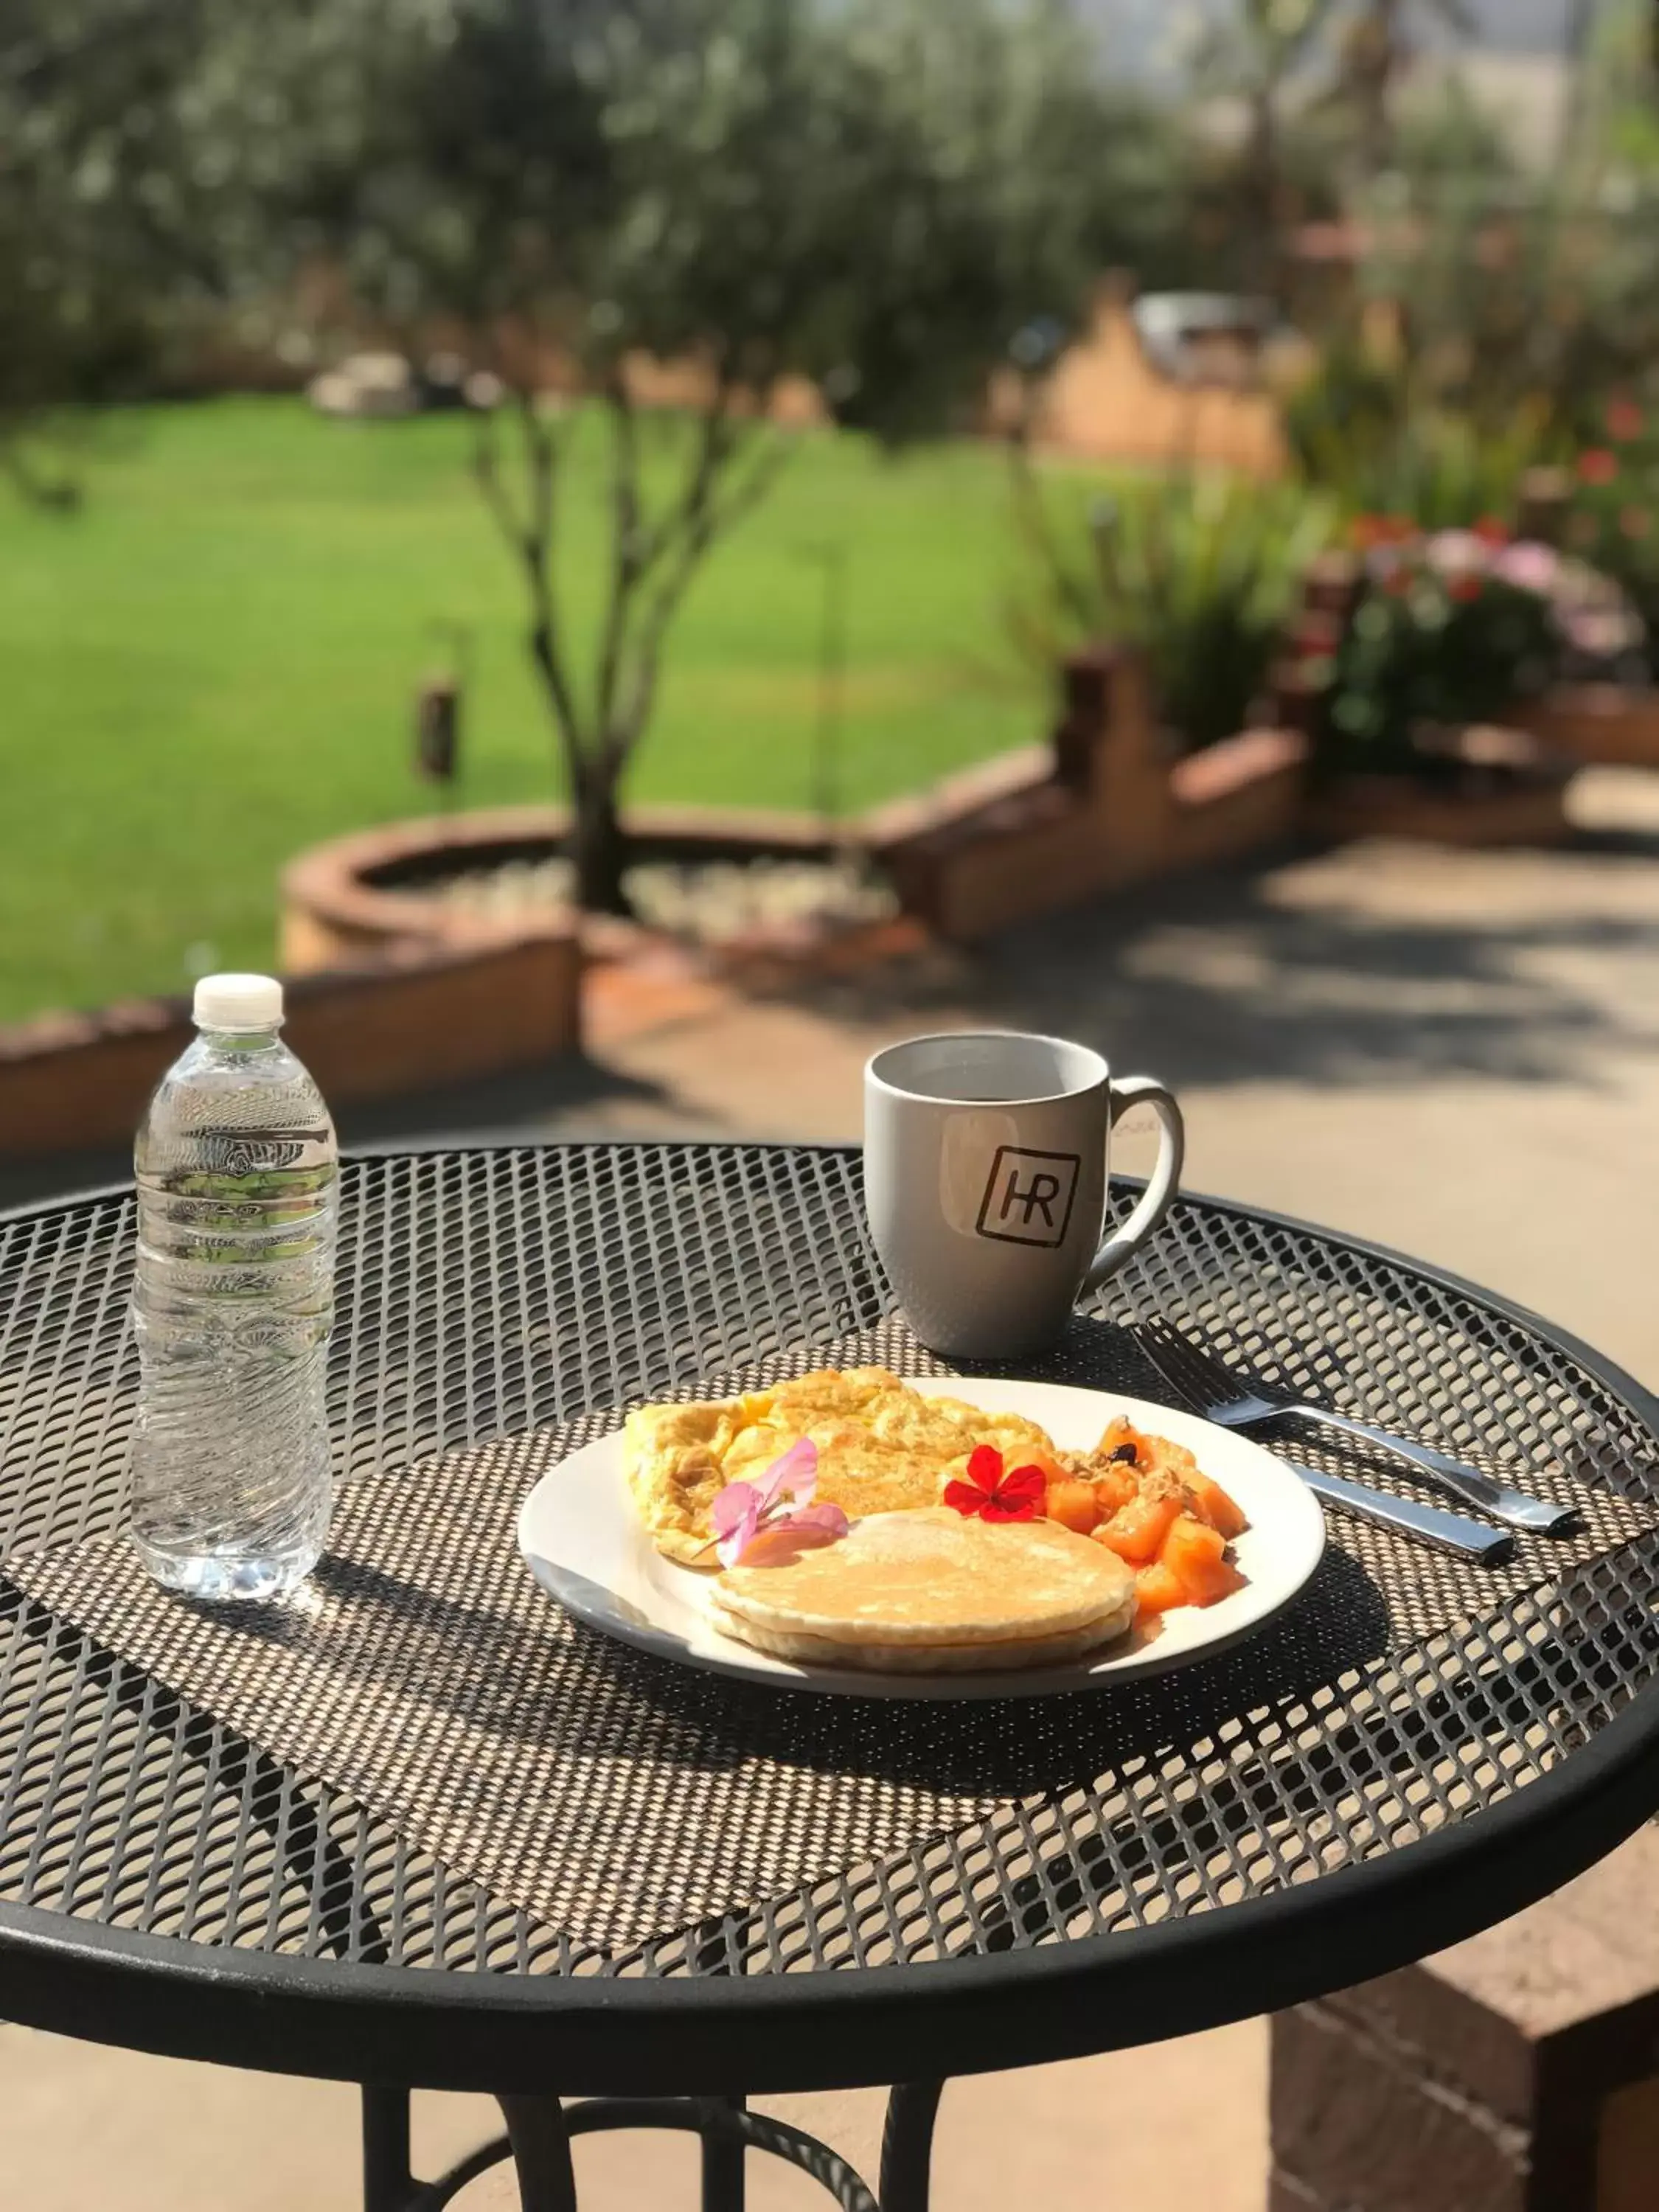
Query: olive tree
x,y
151,181
76,323
875,195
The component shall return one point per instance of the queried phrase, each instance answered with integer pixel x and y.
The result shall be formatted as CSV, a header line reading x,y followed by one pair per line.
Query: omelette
x,y
883,1448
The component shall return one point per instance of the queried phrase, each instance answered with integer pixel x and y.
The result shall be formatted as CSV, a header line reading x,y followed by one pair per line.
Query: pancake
x,y
927,1590
883,1448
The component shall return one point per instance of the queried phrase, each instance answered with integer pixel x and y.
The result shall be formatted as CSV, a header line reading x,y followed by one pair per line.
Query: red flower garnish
x,y
1598,465
1623,420
992,1495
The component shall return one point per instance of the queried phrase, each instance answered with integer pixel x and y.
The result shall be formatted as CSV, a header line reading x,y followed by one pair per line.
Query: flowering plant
x,y
992,1495
1452,629
748,1515
1611,520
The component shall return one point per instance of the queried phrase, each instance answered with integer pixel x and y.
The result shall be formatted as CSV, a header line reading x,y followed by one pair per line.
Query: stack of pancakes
x,y
929,1591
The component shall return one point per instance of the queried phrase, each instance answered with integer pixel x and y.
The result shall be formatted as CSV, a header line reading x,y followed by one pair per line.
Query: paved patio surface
x,y
1454,1053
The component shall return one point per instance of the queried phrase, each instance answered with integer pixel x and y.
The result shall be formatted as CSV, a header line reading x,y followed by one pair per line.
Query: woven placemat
x,y
618,1798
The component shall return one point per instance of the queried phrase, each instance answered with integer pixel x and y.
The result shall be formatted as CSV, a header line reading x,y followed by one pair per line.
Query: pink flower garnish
x,y
745,1512
736,1515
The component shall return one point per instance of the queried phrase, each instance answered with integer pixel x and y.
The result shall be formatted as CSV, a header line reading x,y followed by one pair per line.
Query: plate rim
x,y
567,1588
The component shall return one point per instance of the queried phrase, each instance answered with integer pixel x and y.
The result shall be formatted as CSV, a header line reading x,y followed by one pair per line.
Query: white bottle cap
x,y
238,1002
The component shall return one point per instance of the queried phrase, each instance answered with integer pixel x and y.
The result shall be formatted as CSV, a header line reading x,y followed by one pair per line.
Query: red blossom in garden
x,y
993,1496
1465,588
1624,421
1598,465
1372,530
1490,531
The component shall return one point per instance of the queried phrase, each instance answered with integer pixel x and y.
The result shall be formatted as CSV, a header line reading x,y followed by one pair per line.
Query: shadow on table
x,y
1015,1747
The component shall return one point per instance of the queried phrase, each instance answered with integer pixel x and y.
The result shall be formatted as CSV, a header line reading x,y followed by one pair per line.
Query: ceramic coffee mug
x,y
985,1170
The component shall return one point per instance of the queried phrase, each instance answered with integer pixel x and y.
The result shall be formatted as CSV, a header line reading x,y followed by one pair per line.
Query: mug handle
x,y
1165,1180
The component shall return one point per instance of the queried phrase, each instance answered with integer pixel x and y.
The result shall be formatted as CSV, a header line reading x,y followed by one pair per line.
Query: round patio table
x,y
422,1829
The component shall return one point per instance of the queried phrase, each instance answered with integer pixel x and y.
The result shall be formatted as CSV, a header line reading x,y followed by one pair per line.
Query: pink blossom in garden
x,y
1529,567
1457,552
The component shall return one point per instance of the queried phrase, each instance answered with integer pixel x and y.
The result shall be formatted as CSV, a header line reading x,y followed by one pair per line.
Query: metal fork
x,y
1409,1516
1233,1401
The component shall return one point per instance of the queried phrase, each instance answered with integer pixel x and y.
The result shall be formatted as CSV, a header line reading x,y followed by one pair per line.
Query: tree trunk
x,y
599,846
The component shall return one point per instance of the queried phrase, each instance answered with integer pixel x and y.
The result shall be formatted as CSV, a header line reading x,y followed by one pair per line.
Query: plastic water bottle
x,y
233,1298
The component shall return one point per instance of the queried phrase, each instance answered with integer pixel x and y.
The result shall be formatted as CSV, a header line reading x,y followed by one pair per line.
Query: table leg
x,y
539,2130
722,2160
907,2145
388,2184
541,2152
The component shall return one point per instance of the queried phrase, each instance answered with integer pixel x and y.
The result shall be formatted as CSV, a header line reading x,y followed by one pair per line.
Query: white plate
x,y
579,1531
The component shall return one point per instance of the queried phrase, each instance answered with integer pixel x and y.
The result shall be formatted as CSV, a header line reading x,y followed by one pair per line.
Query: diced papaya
x,y
1158,1588
1136,1530
1114,1486
1074,1504
1214,1505
1197,1556
1121,1435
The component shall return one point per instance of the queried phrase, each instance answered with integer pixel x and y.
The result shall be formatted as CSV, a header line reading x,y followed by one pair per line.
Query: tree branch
x,y
630,549
706,516
530,536
716,445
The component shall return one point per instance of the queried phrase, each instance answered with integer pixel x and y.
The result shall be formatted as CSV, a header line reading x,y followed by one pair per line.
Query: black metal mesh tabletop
x,y
423,1828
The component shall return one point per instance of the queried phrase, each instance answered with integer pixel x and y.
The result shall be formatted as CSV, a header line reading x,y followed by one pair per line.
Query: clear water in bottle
x,y
233,1303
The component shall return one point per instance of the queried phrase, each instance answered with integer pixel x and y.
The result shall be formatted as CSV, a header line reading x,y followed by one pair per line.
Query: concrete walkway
x,y
1454,1053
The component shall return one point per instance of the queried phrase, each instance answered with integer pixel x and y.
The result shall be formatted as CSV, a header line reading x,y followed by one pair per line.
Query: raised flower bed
x,y
1415,661
723,881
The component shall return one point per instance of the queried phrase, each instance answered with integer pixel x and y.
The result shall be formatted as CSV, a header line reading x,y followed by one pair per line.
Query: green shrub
x,y
1199,571
1361,431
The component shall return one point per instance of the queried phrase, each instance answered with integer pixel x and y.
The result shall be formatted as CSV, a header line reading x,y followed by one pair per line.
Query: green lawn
x,y
213,664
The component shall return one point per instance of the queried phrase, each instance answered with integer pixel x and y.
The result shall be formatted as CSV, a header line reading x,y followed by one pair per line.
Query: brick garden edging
x,y
419,1016
1597,724
1518,2072
351,896
1106,807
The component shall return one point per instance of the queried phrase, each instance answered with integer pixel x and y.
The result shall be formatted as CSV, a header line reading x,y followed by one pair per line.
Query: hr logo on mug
x,y
1028,1196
